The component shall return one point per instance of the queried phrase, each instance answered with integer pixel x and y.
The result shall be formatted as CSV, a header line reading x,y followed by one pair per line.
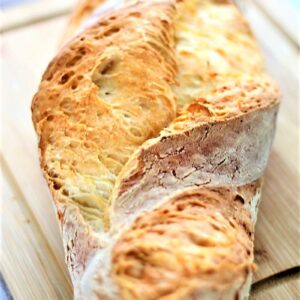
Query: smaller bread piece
x,y
200,242
156,121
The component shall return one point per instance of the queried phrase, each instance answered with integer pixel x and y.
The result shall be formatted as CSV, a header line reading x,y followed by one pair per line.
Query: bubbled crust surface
x,y
154,123
199,242
100,98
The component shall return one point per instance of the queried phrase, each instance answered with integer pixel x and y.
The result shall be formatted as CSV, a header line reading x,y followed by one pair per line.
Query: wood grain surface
x,y
32,260
30,12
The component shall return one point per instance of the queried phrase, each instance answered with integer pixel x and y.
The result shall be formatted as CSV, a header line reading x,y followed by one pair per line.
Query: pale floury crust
x,y
155,125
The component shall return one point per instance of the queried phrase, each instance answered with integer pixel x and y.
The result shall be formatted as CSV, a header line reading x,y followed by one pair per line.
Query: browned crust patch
x,y
201,238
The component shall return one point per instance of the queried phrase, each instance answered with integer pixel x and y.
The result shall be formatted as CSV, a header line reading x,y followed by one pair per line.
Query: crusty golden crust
x,y
154,122
102,96
200,239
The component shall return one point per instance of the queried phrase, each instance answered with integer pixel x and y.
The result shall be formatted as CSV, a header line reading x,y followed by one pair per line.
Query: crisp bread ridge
x,y
155,128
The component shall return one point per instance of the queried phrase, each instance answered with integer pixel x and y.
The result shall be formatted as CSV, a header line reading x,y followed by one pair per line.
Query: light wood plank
x,y
27,262
273,40
31,12
289,290
284,14
284,285
20,146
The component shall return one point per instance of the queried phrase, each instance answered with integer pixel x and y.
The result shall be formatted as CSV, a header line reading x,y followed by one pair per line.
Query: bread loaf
x,y
155,122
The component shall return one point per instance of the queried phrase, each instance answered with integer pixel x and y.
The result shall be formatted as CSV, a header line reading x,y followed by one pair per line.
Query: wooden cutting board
x,y
32,260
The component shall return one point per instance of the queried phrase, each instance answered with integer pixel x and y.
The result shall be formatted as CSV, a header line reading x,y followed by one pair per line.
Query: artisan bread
x,y
155,123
